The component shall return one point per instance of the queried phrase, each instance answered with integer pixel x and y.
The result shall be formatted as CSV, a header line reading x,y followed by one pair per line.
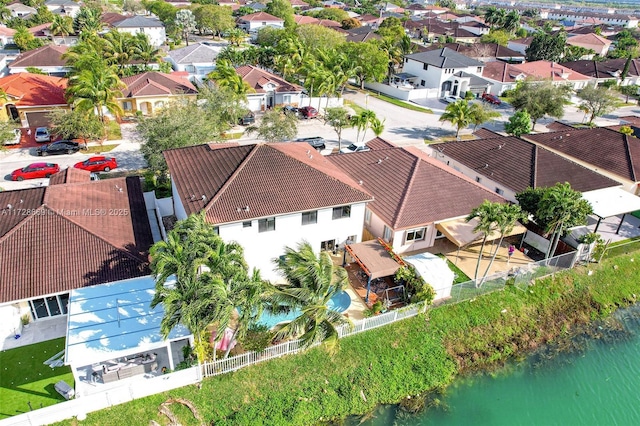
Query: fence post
x,y
395,315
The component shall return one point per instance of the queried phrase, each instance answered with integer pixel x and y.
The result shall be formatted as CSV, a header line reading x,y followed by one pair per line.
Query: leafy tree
x,y
185,23
629,90
500,37
626,45
6,132
75,124
481,113
87,21
214,19
183,123
626,130
25,40
519,124
555,209
222,105
370,64
144,51
459,114
596,101
338,118
314,37
392,29
276,126
331,13
449,4
61,26
164,11
546,46
243,10
43,15
540,98
312,280
35,70
132,6
282,9
486,215
236,36
272,36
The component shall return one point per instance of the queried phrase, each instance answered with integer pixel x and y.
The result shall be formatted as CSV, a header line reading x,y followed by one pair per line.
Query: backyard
x,y
25,382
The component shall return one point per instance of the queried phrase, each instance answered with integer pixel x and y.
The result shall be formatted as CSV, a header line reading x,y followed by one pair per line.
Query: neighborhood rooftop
x,y
445,58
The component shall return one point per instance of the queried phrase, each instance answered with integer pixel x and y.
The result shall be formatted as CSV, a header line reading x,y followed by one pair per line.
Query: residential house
x,y
609,70
417,9
412,193
475,27
509,165
485,52
520,45
41,31
449,31
299,4
558,74
76,233
31,97
152,27
606,151
110,18
616,19
253,22
598,44
6,36
446,70
47,59
605,31
151,91
361,35
268,90
390,7
196,59
370,20
503,75
268,196
63,7
19,10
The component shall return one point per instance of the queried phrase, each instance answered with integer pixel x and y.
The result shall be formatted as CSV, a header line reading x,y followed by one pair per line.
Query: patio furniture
x,y
64,389
109,376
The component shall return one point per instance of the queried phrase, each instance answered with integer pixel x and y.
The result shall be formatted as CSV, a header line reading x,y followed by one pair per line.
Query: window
x,y
479,70
190,68
309,218
423,83
341,212
478,179
367,216
216,230
439,235
246,224
328,245
127,106
425,66
286,99
268,224
415,235
499,191
387,234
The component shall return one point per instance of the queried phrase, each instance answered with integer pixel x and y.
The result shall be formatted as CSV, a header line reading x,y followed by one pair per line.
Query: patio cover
x,y
460,232
607,202
435,271
114,320
373,258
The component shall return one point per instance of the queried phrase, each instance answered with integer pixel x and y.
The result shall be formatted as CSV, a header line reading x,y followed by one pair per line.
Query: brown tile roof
x,y
80,234
630,119
111,18
610,69
258,78
503,72
557,126
271,179
260,16
479,50
303,19
518,164
45,56
34,89
588,39
410,189
70,175
39,30
604,148
7,31
22,200
379,143
483,133
157,83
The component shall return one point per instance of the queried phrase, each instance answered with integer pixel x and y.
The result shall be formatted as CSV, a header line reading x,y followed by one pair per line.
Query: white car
x,y
451,99
42,135
17,134
355,148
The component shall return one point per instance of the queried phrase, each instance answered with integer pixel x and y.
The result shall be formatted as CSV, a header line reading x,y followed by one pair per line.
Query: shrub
x,y
257,338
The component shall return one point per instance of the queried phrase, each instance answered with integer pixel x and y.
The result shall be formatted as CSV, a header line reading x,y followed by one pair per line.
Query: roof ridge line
x,y
18,225
534,166
414,169
629,157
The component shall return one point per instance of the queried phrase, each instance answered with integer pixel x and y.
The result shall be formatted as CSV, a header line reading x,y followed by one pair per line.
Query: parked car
x,y
308,112
97,164
42,135
248,118
17,134
451,99
492,99
316,141
289,109
355,148
35,171
59,147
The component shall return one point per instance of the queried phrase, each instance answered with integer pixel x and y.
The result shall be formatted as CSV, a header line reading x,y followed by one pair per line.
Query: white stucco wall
x,y
399,237
178,207
434,76
157,35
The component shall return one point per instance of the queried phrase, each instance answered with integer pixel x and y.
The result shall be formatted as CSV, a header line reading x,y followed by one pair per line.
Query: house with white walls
x,y
267,197
196,59
268,90
254,21
152,27
63,7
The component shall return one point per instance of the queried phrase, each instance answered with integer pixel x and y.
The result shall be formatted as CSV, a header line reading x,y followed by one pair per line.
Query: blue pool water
x,y
339,303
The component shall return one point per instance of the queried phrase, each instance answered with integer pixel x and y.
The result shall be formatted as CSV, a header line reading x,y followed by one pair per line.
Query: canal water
x,y
597,382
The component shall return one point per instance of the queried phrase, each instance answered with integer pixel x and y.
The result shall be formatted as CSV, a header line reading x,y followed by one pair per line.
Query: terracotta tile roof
x,y
34,89
379,143
111,18
21,200
271,179
80,234
303,19
483,133
258,78
604,148
70,175
557,126
410,189
518,164
298,3
550,70
260,17
7,31
45,56
157,83
503,72
588,39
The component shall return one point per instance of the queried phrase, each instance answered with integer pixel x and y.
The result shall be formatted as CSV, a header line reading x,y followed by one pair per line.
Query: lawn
x,y
25,379
99,149
113,131
460,277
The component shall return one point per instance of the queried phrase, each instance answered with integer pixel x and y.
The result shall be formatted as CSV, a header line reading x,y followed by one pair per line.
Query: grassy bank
x,y
387,364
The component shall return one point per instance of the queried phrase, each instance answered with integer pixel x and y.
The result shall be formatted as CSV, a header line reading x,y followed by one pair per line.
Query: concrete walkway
x,y
38,331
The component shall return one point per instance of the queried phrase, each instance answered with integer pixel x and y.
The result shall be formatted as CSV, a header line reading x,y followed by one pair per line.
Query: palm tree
x,y
143,50
95,89
236,36
363,121
185,23
311,282
459,114
511,21
119,49
486,215
377,126
61,26
225,75
87,21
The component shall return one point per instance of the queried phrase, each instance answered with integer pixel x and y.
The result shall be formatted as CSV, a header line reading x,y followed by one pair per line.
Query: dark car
x,y
248,118
317,142
35,171
97,164
308,112
59,147
288,109
492,99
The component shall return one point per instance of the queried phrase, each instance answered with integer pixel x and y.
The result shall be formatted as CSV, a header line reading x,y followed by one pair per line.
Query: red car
x,y
35,171
308,112
492,99
97,164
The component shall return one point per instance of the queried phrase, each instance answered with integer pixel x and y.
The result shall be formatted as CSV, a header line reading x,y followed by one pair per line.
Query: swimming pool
x,y
339,303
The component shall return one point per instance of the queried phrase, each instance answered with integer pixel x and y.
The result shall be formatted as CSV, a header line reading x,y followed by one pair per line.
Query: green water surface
x,y
597,385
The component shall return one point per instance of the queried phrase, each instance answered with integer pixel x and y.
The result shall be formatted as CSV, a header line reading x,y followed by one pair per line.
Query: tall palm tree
x,y
377,126
225,75
96,89
486,215
459,114
61,26
312,280
87,21
511,21
120,49
144,51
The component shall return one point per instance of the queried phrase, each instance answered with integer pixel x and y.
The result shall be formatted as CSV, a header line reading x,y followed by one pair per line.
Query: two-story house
x,y
268,90
253,22
152,27
47,59
63,7
446,70
268,196
197,59
151,91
